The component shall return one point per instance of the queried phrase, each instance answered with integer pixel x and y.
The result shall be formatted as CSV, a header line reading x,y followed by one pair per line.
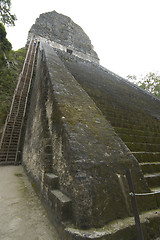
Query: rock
x,y
62,30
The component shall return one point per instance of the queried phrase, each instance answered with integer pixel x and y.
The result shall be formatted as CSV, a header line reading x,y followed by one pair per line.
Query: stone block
x,y
158,199
61,204
51,180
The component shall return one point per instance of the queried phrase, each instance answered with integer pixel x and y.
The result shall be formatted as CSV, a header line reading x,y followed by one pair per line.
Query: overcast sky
x,y
125,33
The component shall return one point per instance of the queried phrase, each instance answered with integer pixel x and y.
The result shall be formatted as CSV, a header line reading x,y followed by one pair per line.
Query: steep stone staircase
x,y
11,137
142,136
129,110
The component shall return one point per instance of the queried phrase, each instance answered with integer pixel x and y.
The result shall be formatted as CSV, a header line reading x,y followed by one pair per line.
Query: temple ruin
x,y
85,126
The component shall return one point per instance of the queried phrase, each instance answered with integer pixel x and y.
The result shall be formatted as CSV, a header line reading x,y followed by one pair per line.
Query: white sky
x,y
125,33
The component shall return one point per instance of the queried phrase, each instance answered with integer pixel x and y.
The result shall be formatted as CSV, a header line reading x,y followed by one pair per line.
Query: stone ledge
x,y
51,180
120,228
61,204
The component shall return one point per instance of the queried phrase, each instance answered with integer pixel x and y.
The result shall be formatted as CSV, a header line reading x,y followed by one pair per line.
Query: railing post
x,y
134,205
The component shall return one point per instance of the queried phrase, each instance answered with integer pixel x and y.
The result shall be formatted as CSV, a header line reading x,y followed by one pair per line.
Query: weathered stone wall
x,y
62,33
67,135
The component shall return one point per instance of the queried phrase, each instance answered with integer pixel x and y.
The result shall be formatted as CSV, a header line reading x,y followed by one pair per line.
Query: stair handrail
x,y
25,62
143,194
34,53
21,74
20,97
25,77
32,60
19,79
4,129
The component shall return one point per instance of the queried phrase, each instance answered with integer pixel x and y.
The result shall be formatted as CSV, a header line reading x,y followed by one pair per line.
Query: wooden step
x,y
3,157
8,158
4,163
8,151
11,135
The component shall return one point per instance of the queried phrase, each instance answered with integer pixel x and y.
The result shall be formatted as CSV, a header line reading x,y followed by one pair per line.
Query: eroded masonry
x,y
85,127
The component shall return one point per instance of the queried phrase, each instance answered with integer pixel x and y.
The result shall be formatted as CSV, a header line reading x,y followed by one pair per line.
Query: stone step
x,y
129,115
121,229
51,180
128,131
143,157
117,119
157,194
150,167
146,147
138,138
128,125
153,179
117,112
61,204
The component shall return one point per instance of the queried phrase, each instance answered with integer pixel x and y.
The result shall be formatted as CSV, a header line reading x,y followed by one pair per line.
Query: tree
x,y
5,45
150,82
5,15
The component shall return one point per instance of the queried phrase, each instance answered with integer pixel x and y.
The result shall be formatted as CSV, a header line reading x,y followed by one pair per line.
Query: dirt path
x,y
22,216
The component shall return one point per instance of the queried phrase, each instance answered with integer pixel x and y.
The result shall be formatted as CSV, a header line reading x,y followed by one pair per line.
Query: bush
x,y
8,79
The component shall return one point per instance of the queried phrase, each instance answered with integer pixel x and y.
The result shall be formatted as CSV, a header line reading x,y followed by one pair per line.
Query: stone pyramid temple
x,y
85,127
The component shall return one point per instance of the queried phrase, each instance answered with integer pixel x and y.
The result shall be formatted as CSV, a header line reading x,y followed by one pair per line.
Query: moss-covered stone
x,y
87,155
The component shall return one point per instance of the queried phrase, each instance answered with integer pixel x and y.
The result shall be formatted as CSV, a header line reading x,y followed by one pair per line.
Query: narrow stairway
x,y
11,137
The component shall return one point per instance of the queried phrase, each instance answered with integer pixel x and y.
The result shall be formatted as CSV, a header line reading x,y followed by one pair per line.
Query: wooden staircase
x,y
11,137
142,136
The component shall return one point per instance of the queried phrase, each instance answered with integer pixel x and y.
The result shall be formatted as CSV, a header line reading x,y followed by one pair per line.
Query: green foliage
x,y
2,32
132,78
5,45
150,82
5,15
8,79
1,59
